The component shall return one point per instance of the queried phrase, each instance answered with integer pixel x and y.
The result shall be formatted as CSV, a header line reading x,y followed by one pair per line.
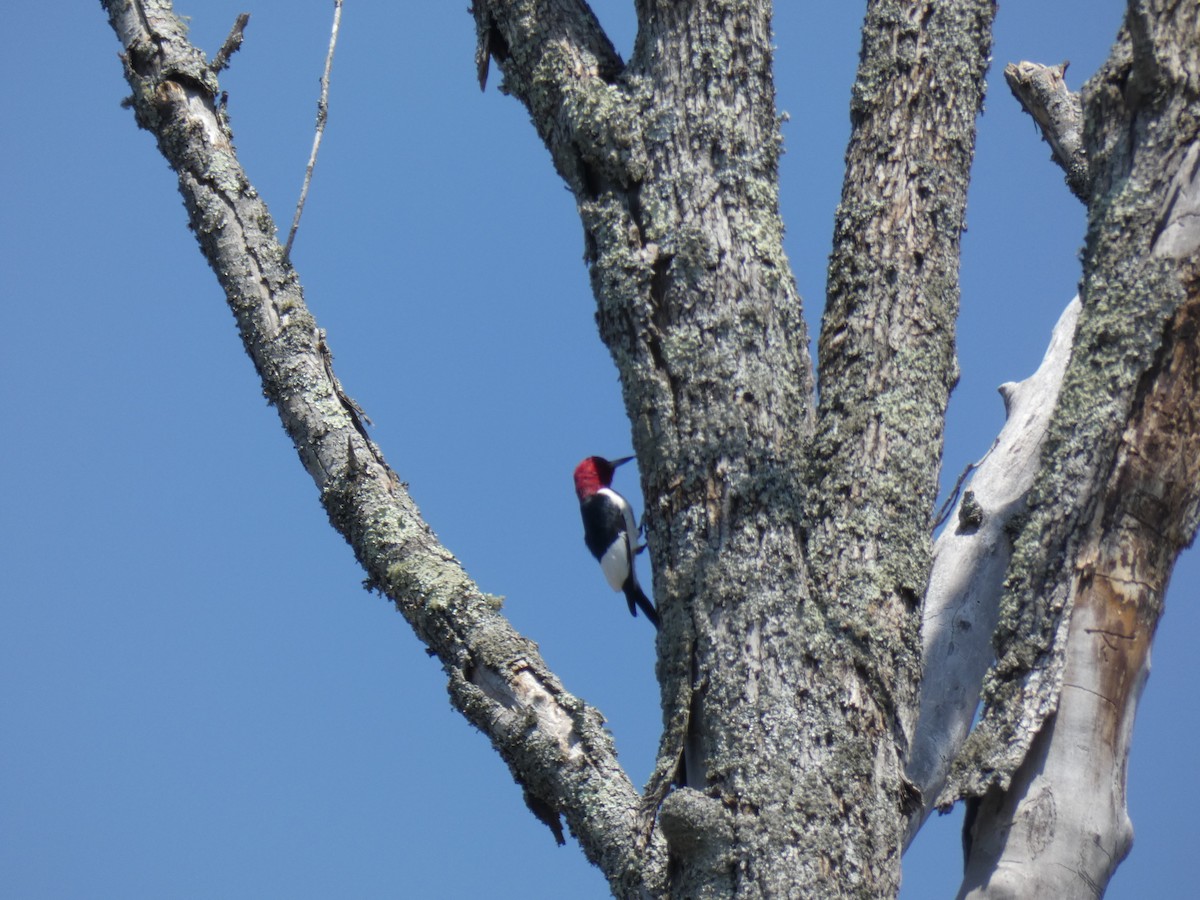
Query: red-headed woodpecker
x,y
609,530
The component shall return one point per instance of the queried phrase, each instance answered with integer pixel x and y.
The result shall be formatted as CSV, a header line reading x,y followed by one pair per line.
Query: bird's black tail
x,y
636,597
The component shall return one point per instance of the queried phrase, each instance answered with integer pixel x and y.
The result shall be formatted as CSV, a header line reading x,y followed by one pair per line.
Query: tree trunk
x,y
1118,496
807,733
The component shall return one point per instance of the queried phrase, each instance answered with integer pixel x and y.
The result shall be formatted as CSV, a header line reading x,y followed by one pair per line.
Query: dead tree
x,y
808,727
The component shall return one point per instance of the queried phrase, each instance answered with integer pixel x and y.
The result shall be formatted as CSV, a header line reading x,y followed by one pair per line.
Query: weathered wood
x,y
970,561
1058,112
1117,498
1062,828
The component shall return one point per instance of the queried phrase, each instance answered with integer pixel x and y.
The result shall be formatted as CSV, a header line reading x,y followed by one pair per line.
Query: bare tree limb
x,y
232,44
1063,827
554,744
1042,92
887,359
970,560
1141,128
322,116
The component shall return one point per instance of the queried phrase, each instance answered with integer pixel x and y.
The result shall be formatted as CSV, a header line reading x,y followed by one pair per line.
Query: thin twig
x,y
322,115
232,44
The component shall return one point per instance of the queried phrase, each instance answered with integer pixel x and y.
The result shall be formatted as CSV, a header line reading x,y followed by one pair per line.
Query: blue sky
x,y
197,698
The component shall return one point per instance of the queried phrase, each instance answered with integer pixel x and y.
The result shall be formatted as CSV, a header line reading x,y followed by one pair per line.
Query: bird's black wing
x,y
600,517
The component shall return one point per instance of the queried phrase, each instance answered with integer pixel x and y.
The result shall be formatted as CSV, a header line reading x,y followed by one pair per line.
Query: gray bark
x,y
555,744
1062,827
790,539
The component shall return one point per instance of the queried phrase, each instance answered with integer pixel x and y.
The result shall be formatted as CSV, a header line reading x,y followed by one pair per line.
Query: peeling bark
x,y
970,561
1119,493
1141,125
1062,827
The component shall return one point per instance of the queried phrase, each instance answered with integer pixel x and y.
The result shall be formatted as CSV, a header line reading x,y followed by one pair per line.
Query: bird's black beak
x,y
619,462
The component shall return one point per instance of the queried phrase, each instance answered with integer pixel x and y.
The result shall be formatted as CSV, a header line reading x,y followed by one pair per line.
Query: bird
x,y
609,530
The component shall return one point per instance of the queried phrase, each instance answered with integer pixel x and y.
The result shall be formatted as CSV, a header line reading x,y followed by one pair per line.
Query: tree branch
x,y
1062,827
1042,92
232,44
557,60
970,560
322,116
1135,282
555,745
887,361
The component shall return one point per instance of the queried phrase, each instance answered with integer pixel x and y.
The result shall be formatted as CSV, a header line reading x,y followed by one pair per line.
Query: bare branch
x,y
951,502
887,361
1141,132
1073,779
322,116
554,744
1042,92
232,44
970,560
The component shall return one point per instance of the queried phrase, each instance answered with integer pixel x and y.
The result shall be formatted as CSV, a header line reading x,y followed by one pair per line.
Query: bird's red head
x,y
594,473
